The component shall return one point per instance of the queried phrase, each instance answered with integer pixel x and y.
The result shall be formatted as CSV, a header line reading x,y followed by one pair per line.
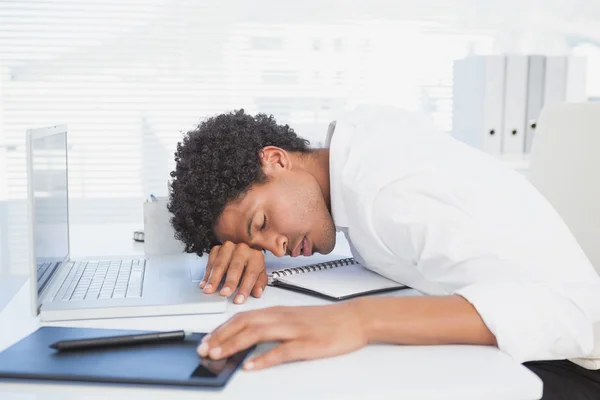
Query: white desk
x,y
375,372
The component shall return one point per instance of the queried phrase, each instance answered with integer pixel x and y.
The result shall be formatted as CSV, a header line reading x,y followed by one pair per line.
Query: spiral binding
x,y
313,267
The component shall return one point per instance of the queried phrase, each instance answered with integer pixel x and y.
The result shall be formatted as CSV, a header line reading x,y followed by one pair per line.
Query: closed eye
x,y
264,225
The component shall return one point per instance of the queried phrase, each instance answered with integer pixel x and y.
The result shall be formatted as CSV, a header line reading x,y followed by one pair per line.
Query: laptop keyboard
x,y
42,267
111,279
44,271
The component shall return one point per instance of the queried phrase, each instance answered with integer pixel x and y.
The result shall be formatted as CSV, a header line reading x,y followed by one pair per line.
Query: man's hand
x,y
235,261
322,331
304,332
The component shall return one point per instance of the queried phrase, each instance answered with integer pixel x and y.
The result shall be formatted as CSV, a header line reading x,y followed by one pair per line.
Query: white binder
x,y
515,105
555,84
497,99
535,96
478,92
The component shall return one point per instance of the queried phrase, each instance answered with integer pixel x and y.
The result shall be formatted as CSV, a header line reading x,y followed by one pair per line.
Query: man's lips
x,y
303,247
307,247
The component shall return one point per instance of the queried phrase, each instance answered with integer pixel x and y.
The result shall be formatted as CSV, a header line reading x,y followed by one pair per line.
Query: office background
x,y
128,76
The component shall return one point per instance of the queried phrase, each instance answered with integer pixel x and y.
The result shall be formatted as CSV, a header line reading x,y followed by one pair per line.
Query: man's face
x,y
286,215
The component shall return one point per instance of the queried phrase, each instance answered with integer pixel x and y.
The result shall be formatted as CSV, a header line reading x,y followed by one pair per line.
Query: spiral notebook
x,y
335,280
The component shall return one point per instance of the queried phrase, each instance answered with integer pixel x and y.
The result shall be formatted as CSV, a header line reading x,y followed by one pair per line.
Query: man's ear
x,y
274,158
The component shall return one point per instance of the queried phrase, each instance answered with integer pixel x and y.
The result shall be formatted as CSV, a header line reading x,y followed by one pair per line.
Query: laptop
x,y
95,287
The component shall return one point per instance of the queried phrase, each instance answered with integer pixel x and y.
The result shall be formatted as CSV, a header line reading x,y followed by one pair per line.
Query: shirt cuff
x,y
531,321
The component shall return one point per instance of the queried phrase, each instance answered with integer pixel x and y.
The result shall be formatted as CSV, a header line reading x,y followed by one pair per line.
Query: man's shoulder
x,y
372,148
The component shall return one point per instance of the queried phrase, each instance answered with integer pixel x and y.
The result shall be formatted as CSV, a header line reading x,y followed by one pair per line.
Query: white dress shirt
x,y
426,210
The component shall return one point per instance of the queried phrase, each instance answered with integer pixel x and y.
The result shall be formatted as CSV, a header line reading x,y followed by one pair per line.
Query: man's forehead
x,y
232,221
228,217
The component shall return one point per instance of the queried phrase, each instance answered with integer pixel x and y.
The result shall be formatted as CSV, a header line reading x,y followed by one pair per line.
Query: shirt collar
x,y
338,145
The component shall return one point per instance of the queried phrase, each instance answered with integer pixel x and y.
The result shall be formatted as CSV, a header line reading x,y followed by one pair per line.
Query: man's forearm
x,y
422,320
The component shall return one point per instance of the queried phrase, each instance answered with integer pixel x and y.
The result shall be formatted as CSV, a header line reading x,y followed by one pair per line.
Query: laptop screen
x,y
50,194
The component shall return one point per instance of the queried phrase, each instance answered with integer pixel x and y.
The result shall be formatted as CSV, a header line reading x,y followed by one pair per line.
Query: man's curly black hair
x,y
216,163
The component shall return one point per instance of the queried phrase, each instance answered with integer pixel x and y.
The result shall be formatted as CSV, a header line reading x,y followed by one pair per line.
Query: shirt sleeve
x,y
535,312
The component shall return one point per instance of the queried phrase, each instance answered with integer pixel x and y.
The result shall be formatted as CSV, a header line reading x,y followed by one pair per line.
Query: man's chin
x,y
326,250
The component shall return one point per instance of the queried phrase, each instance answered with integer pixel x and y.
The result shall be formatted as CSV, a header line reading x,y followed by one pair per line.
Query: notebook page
x,y
340,281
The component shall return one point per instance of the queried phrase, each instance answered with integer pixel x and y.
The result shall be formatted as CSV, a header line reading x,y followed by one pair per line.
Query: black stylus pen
x,y
124,340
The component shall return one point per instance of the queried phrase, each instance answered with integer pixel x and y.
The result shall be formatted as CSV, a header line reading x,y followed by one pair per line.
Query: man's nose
x,y
278,246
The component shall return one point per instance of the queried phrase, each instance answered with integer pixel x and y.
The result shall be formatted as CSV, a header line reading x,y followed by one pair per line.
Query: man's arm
x,y
422,320
537,306
323,331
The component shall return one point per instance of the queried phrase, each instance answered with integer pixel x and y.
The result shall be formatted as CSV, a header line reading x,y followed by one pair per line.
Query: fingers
x,y
234,272
251,334
289,351
254,269
219,266
211,259
260,284
235,262
236,324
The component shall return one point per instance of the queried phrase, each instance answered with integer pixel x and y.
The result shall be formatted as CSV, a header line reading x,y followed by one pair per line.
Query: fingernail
x,y
259,292
216,352
239,299
202,284
225,291
203,349
205,338
249,365
207,288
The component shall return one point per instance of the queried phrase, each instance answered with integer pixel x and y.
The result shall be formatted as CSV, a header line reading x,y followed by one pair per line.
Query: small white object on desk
x,y
159,235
